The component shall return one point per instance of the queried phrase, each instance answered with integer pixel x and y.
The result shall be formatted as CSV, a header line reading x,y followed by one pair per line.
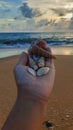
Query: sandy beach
x,y
60,105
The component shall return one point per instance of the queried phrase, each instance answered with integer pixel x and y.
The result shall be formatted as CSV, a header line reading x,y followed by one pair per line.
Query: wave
x,y
20,40
19,43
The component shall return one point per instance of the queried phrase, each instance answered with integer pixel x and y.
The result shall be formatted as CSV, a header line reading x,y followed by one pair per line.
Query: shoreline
x,y
16,56
56,50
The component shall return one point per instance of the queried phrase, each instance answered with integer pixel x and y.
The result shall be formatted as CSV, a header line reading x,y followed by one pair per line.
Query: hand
x,y
36,87
32,99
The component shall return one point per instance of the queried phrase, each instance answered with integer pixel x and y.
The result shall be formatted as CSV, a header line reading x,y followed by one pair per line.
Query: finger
x,y
51,66
49,50
49,63
51,74
51,56
23,58
48,79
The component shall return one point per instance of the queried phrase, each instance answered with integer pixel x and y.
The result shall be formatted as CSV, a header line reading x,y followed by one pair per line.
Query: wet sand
x,y
60,105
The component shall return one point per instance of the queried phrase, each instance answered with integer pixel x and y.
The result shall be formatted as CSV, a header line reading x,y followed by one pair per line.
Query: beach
x,y
60,104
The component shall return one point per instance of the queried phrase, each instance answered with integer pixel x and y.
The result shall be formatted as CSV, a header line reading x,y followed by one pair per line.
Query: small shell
x,y
42,71
31,71
41,62
32,64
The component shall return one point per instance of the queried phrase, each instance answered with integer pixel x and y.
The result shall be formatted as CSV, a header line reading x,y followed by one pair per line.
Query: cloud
x,y
68,1
12,1
4,5
61,11
29,12
46,22
71,24
43,22
62,25
12,25
54,25
31,15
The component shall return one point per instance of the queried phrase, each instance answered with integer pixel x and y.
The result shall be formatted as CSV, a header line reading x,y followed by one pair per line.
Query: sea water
x,y
11,44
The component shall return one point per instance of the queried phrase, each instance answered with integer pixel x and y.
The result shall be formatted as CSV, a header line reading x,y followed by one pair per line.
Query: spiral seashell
x,y
37,51
41,43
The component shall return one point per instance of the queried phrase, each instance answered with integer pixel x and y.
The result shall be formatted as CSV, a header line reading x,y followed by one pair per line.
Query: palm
x,y
37,86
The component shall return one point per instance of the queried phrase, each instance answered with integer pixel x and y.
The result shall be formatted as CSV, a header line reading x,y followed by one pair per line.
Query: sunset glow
x,y
69,6
35,16
69,15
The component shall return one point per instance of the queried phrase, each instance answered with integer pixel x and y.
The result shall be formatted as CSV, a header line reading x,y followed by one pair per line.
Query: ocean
x,y
14,43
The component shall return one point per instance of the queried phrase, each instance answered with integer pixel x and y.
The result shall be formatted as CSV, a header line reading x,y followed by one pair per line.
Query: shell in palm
x,y
41,62
31,71
32,63
43,71
40,49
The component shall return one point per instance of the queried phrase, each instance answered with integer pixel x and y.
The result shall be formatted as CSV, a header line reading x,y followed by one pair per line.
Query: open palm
x,y
39,87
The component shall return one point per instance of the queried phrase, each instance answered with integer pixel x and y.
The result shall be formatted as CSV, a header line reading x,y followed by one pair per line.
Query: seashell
x,y
42,71
32,64
31,71
37,51
41,43
35,58
41,62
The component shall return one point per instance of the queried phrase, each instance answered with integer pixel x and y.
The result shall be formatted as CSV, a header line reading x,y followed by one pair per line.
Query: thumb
x,y
23,59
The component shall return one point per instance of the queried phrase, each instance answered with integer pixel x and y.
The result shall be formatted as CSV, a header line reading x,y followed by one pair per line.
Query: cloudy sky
x,y
36,15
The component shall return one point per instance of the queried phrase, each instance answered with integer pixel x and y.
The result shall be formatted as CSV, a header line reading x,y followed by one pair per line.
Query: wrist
x,y
31,95
36,100
27,113
34,111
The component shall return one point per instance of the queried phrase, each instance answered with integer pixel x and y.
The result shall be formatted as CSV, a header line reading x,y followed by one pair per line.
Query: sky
x,y
36,15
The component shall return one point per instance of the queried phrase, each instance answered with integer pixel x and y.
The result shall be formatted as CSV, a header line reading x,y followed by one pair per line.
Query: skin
x,y
29,110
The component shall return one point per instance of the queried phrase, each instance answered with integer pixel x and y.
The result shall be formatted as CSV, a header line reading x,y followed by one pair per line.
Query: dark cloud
x,y
46,22
18,18
29,12
61,11
43,22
